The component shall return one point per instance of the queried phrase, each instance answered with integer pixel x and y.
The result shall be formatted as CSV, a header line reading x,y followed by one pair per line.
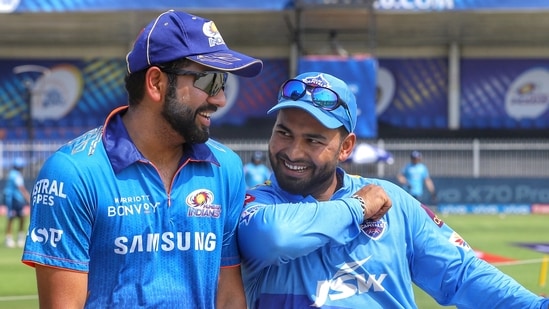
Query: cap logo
x,y
318,80
214,37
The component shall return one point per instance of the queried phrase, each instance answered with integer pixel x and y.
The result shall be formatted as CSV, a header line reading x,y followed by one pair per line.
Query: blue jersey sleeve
x,y
290,230
62,216
446,267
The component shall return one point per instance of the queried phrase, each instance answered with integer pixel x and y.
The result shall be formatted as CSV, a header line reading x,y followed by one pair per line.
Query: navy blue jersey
x,y
99,206
301,253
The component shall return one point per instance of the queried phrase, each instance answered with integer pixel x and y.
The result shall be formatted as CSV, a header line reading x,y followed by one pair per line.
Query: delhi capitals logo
x,y
373,229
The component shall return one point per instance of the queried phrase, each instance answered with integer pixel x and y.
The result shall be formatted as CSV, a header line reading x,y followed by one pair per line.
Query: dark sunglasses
x,y
211,82
321,97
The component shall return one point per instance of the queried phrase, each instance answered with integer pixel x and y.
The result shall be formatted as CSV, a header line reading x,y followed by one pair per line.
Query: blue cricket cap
x,y
415,154
330,119
176,35
19,162
258,155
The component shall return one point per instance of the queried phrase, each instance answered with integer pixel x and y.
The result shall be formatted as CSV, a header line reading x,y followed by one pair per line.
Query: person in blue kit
x,y
142,211
16,197
256,171
415,175
306,243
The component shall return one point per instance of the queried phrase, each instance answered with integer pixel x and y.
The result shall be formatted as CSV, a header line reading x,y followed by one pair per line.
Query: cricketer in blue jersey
x,y
256,171
141,212
304,240
414,175
16,197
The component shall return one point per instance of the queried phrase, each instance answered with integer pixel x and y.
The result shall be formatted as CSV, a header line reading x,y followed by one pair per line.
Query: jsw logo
x,y
347,283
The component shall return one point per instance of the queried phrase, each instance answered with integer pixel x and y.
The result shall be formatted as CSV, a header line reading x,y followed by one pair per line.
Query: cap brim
x,y
230,61
322,116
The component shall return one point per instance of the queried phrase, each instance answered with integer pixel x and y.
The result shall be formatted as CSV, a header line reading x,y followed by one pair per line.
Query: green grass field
x,y
491,234
17,281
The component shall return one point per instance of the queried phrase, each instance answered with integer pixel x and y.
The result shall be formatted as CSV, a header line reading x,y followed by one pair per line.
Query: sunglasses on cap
x,y
211,82
321,97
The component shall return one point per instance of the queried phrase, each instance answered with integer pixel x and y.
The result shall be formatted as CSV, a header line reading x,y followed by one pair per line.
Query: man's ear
x,y
155,84
347,147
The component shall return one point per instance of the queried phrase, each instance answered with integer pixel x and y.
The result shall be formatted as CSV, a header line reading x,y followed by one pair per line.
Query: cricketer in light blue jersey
x,y
304,240
414,175
142,212
139,243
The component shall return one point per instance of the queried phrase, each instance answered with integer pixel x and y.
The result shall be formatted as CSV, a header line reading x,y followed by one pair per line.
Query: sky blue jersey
x,y
99,206
301,253
12,195
415,174
256,174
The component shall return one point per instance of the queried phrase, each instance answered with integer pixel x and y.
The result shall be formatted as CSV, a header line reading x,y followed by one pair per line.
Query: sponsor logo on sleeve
x,y
46,191
46,235
458,241
248,213
433,216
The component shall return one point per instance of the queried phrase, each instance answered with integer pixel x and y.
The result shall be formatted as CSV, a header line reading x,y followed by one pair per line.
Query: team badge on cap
x,y
318,80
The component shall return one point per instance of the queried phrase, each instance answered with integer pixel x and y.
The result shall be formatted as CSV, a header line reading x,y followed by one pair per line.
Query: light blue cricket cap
x,y
19,162
330,119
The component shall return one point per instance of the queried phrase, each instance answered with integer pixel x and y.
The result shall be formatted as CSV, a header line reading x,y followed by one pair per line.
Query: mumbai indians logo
x,y
214,37
373,229
318,80
200,204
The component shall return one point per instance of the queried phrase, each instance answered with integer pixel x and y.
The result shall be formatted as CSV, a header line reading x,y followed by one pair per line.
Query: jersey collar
x,y
122,151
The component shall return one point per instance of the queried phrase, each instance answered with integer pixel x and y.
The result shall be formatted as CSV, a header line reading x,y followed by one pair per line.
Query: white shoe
x,y
10,243
21,240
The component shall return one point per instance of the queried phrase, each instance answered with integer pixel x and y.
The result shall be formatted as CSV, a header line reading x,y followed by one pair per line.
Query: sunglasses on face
x,y
211,82
321,97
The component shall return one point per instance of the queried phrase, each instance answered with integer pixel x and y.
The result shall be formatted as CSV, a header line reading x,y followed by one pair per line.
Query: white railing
x,y
445,158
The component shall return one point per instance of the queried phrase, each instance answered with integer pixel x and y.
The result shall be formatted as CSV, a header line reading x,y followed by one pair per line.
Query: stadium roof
x,y
269,31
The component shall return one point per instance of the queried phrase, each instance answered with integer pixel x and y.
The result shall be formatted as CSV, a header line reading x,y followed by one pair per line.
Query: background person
x,y
306,242
16,197
414,175
256,171
142,211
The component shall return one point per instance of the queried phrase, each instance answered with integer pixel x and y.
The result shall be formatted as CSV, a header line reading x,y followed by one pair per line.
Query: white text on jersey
x,y
167,241
346,283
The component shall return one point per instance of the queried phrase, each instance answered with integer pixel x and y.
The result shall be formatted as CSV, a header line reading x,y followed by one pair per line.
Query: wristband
x,y
362,203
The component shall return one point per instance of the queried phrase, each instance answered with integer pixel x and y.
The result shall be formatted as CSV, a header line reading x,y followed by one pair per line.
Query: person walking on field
x,y
16,197
141,212
315,236
414,176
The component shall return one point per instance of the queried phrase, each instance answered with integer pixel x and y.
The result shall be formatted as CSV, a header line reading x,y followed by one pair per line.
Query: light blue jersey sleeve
x,y
288,230
445,266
